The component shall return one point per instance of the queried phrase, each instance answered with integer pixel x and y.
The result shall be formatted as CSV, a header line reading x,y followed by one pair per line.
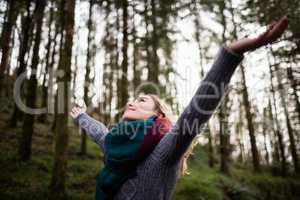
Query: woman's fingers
x,y
72,114
273,32
75,111
278,29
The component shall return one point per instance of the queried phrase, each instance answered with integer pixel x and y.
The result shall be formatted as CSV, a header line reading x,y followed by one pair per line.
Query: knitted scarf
x,y
126,144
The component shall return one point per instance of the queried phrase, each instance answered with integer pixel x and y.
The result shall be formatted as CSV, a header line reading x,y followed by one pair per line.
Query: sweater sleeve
x,y
95,129
208,95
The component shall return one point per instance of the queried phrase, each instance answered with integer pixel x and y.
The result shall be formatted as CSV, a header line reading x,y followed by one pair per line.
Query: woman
x,y
156,174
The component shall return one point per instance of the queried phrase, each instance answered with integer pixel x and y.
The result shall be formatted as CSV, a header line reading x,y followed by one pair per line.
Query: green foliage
x,y
204,183
30,180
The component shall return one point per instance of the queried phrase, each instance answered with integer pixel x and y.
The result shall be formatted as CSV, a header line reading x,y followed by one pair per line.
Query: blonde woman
x,y
142,162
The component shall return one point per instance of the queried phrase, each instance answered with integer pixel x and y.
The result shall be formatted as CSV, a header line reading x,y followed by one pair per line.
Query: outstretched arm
x,y
95,129
174,144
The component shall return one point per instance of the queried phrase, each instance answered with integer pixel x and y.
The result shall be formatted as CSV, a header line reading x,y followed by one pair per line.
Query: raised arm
x,y
95,129
174,144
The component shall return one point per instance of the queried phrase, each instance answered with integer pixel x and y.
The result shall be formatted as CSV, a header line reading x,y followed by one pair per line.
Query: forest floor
x,y
30,180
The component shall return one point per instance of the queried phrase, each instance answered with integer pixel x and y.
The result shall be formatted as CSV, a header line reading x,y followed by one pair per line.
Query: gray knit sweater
x,y
157,174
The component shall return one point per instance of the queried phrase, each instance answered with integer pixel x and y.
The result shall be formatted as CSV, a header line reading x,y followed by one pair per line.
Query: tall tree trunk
x,y
224,111
153,69
279,152
6,34
276,158
198,27
211,151
28,123
124,65
87,82
57,186
114,59
60,29
111,65
50,93
136,70
290,75
247,106
239,134
123,82
224,137
287,120
276,122
43,117
27,27
264,129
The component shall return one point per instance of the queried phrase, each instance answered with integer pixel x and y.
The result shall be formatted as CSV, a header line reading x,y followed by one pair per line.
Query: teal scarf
x,y
122,146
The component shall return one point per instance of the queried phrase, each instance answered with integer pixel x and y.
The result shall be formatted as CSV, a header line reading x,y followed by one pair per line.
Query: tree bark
x,y
28,123
57,186
264,129
293,147
153,70
43,117
224,137
277,131
255,155
27,27
291,77
87,82
6,34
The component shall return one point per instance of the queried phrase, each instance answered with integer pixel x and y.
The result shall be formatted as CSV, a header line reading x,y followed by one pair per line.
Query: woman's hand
x,y
273,32
77,110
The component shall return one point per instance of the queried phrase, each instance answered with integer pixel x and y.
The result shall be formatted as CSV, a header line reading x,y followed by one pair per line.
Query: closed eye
x,y
141,99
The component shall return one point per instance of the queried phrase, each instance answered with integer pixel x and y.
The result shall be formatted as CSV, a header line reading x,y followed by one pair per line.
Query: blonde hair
x,y
163,108
183,162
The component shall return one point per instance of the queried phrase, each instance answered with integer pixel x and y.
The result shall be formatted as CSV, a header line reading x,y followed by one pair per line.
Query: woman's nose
x,y
129,104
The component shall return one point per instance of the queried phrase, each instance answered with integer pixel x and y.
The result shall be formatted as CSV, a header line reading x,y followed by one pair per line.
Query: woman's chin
x,y
128,117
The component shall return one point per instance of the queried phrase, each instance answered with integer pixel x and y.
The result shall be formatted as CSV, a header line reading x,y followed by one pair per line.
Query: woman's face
x,y
141,108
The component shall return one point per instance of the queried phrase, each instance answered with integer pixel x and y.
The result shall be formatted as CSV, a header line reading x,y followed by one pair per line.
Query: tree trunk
x,y
114,59
153,70
290,75
43,117
87,82
211,153
27,27
6,34
201,58
247,106
264,129
52,101
60,29
28,123
287,120
136,70
57,186
278,129
239,134
224,137
124,82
